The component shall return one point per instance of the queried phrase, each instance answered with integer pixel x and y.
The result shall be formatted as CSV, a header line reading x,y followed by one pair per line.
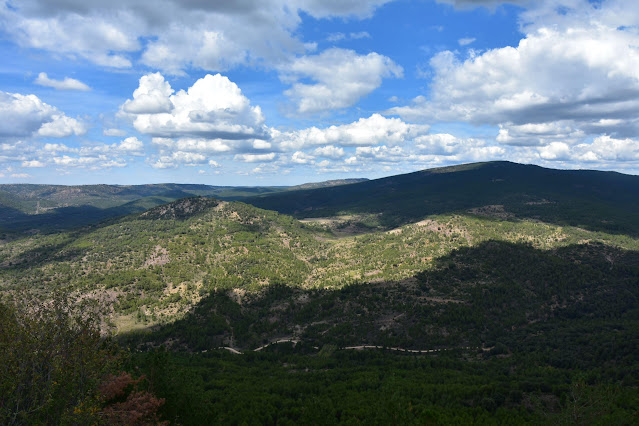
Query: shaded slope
x,y
568,304
595,200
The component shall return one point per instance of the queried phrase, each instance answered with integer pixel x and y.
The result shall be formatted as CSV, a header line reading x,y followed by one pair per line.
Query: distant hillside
x,y
58,207
327,183
606,201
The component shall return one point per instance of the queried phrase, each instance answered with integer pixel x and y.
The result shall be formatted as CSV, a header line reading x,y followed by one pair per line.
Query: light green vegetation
x,y
154,266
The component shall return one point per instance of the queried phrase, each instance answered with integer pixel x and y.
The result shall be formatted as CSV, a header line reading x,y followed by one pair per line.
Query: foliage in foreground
x,y
57,369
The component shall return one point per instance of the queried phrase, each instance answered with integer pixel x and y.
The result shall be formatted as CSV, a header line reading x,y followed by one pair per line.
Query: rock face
x,y
180,209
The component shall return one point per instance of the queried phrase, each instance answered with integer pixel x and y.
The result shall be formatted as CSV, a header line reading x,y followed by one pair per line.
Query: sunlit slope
x,y
25,207
156,265
50,208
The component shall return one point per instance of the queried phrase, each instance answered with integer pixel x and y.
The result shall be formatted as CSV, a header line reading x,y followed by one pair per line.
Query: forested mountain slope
x,y
49,208
606,201
155,266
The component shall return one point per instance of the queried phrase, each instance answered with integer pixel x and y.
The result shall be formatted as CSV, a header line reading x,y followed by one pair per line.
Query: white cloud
x,y
333,37
33,163
170,35
66,84
113,132
191,159
573,75
538,133
68,161
381,153
159,164
466,41
299,157
151,97
341,78
468,149
255,158
58,147
207,146
606,148
27,115
92,156
329,151
360,35
555,151
213,108
365,132
131,144
62,126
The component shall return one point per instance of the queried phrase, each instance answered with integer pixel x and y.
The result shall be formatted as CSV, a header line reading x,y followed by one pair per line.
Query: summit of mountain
x,y
595,200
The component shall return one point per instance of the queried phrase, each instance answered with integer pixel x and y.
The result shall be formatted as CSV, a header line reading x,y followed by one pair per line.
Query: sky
x,y
282,92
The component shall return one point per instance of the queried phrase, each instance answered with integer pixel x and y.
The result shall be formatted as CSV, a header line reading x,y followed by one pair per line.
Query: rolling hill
x,y
50,208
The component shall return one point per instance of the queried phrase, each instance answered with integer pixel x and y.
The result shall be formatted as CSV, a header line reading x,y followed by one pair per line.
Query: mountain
x,y
605,201
29,207
326,184
488,293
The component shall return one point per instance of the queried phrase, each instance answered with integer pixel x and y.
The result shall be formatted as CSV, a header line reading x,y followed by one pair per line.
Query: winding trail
x,y
357,348
294,341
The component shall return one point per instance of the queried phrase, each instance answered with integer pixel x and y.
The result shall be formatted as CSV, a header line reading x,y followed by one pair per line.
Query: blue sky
x,y
284,92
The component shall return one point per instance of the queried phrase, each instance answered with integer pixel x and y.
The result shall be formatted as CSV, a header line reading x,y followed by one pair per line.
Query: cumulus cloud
x,y
151,97
209,146
62,126
213,108
369,131
26,115
329,151
458,149
190,159
300,157
131,144
341,78
381,153
66,84
606,148
573,75
170,34
255,158
538,133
